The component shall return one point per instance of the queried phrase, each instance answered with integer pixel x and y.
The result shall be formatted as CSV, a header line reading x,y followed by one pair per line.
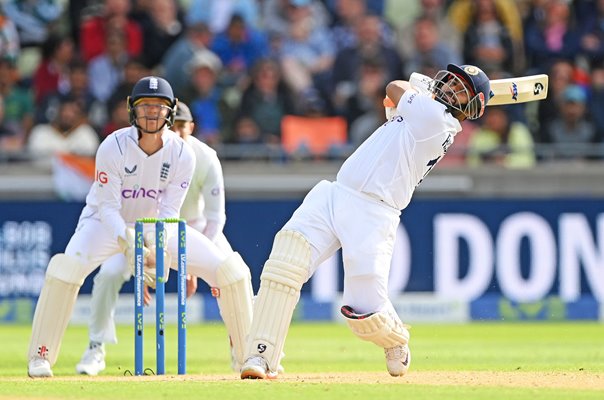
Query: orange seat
x,y
316,134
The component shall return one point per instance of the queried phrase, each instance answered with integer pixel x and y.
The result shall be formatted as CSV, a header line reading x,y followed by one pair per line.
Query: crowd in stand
x,y
66,68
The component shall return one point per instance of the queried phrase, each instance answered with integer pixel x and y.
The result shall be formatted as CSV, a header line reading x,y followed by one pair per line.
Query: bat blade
x,y
518,90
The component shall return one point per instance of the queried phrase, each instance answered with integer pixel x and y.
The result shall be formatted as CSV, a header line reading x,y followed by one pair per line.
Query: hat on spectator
x,y
183,113
574,94
204,59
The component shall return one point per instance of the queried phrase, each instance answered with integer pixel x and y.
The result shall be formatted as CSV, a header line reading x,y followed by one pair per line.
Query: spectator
x,y
307,57
10,46
596,103
18,106
572,134
67,133
265,102
134,70
118,117
555,38
372,78
501,141
35,20
347,14
204,96
114,16
487,41
430,53
560,76
77,88
162,26
11,143
52,73
347,66
592,40
431,9
197,37
109,65
239,48
278,14
372,118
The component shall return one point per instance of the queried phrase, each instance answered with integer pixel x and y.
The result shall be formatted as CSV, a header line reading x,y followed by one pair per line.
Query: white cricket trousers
x,y
333,216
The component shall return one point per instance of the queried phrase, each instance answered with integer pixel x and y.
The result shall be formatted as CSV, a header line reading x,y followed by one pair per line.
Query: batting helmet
x,y
473,79
152,87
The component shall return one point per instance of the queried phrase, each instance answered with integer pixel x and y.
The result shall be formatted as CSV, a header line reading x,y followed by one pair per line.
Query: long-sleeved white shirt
x,y
397,156
130,184
205,198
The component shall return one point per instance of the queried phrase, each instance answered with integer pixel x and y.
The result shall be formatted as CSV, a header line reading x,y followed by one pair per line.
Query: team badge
x,y
153,84
165,169
471,70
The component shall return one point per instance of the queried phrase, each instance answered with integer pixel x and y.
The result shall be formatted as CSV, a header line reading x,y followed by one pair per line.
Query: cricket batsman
x,y
359,213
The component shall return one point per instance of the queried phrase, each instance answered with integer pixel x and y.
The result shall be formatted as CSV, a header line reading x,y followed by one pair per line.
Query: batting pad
x,y
234,296
380,328
64,277
282,278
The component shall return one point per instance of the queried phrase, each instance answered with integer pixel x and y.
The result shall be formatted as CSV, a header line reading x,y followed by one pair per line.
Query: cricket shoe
x,y
398,359
93,360
256,367
39,368
236,367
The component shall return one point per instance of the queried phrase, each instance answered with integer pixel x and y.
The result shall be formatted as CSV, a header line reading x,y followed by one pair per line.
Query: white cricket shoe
x,y
398,359
236,367
93,360
39,368
256,367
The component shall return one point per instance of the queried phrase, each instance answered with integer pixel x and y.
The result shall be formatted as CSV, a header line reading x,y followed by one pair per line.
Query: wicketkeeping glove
x,y
127,245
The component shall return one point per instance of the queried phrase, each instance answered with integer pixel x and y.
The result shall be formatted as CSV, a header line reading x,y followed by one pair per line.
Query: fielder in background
x,y
359,213
203,209
142,171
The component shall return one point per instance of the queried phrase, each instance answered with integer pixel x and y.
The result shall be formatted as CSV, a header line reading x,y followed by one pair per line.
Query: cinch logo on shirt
x,y
140,192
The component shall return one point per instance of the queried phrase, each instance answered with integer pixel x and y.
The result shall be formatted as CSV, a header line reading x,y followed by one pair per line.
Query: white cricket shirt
x,y
130,184
205,199
398,155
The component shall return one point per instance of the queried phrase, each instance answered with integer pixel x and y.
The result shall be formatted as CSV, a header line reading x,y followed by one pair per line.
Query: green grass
x,y
346,366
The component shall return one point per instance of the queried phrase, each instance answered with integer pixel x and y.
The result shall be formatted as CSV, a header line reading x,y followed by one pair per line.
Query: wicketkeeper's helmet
x,y
152,87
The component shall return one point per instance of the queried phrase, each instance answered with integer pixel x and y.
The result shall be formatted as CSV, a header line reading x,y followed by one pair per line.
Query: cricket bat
x,y
518,90
505,91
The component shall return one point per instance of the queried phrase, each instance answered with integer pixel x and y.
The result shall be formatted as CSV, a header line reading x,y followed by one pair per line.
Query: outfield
x,y
325,361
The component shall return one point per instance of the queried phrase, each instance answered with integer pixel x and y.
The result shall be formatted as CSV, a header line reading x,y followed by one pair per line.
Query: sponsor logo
x,y
215,191
538,88
411,98
136,193
261,348
514,91
101,177
165,169
447,143
215,292
406,362
43,351
184,185
130,171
